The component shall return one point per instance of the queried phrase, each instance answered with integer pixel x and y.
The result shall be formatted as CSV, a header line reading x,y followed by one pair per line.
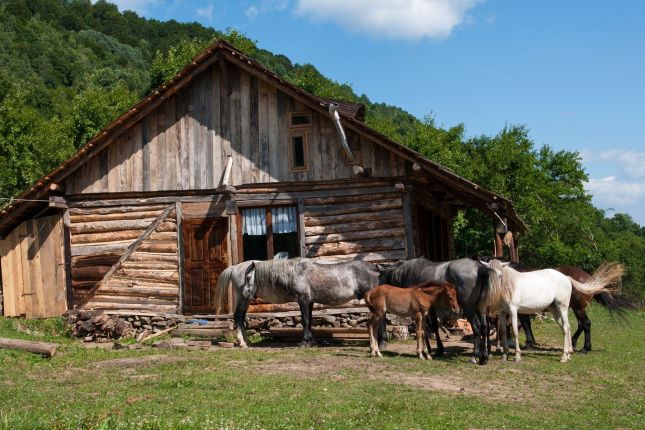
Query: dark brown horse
x,y
614,303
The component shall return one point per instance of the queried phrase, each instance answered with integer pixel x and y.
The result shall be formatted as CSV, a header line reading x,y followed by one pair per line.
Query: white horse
x,y
512,292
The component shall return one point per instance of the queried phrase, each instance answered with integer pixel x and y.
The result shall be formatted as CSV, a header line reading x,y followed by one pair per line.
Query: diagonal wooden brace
x,y
133,247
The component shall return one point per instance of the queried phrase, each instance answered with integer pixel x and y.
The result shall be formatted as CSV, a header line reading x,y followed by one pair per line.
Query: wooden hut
x,y
223,163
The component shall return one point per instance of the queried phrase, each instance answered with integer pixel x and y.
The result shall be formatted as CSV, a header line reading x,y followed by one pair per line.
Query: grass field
x,y
337,386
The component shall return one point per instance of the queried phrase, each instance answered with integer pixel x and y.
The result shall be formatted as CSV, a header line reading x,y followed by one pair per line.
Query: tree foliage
x,y
67,68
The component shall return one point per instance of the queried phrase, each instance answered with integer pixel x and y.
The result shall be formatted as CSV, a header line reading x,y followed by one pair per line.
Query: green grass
x,y
326,387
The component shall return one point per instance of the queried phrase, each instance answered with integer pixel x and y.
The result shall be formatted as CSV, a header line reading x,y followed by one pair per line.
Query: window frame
x,y
299,113
269,229
305,149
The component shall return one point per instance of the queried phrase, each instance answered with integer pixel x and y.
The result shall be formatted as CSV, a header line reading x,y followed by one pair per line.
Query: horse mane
x,y
410,269
500,286
275,273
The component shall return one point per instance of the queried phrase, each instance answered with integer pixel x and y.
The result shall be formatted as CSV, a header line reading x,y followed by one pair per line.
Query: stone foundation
x,y
93,326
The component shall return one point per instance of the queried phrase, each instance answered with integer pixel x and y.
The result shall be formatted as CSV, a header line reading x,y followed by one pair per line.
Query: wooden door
x,y
205,256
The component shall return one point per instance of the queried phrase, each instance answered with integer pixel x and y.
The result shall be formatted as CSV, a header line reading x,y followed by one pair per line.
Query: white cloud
x,y
611,191
631,162
398,19
623,189
252,12
205,12
266,6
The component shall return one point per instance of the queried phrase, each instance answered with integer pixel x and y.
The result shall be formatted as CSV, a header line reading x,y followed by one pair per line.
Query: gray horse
x,y
301,280
469,277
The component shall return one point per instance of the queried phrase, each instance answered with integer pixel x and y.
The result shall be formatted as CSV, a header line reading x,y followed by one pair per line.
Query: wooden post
x,y
409,228
67,252
180,252
301,228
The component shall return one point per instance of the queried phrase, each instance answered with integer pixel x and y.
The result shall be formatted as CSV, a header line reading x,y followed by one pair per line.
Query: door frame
x,y
225,221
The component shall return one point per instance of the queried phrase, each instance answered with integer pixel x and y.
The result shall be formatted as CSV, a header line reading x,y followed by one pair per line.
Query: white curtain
x,y
254,221
284,219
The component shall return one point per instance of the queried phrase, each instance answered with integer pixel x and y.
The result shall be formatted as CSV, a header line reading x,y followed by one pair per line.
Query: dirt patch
x,y
339,363
142,361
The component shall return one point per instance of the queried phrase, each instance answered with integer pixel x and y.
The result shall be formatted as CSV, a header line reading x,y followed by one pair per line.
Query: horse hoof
x,y
585,350
528,346
518,359
504,357
382,345
473,360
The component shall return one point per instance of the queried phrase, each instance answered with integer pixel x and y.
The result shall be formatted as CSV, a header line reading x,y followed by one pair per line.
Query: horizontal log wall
x,y
33,269
147,281
185,142
368,227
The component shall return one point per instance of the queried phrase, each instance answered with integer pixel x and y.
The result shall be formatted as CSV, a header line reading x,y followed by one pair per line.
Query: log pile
x,y
96,326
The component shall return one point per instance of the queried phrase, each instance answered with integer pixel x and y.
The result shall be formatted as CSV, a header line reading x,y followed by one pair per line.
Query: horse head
x,y
386,271
449,297
249,288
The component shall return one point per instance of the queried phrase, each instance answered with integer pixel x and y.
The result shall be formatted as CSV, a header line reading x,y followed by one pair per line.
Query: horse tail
x,y
223,282
491,287
603,279
616,304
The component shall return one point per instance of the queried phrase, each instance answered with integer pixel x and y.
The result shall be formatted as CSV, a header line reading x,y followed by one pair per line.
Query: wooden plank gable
x,y
184,142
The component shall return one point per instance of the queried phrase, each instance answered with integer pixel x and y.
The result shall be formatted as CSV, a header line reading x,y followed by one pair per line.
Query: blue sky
x,y
572,71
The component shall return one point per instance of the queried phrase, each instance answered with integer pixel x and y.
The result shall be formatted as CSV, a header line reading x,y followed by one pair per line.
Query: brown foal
x,y
408,302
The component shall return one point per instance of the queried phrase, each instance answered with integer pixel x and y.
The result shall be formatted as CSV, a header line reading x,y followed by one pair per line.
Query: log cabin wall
x,y
33,269
184,143
148,280
369,227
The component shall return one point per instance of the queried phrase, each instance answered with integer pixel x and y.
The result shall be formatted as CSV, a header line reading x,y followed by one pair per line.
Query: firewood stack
x,y
95,325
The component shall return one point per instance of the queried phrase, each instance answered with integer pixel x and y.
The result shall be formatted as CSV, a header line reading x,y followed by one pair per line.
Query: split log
x,y
103,226
150,265
340,248
357,207
101,259
152,257
89,272
348,199
42,348
153,275
339,219
161,247
138,291
102,249
356,235
373,257
164,283
114,209
113,236
355,226
141,301
167,226
76,219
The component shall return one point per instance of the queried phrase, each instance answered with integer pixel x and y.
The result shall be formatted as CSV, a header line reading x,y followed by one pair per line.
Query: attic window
x,y
298,152
300,119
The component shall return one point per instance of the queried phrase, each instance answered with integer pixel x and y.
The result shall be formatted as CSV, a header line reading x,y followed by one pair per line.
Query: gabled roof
x,y
350,113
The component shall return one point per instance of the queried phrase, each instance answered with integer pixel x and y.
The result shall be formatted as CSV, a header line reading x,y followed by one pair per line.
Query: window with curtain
x,y
269,233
